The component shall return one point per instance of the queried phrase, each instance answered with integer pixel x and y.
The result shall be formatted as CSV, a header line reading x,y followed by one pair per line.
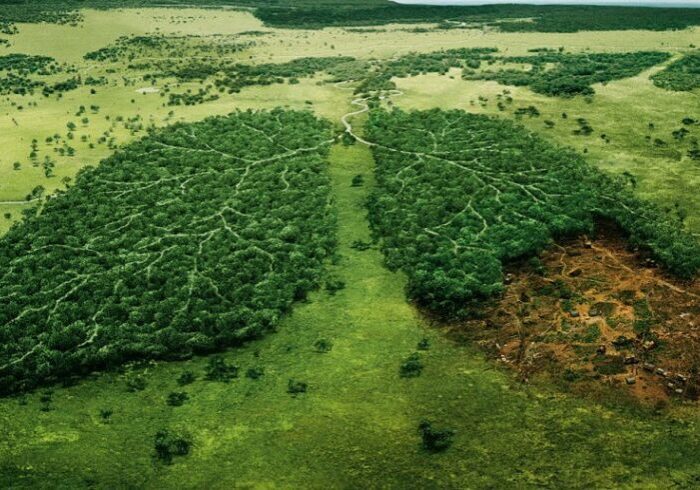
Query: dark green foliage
x,y
572,74
459,194
323,345
21,74
217,369
131,47
186,377
254,373
334,284
212,60
58,12
437,61
188,98
295,388
358,180
318,14
412,367
237,76
177,398
360,245
552,18
198,237
530,111
681,75
435,440
610,365
379,76
590,335
169,444
106,414
135,382
571,376
622,342
644,319
424,344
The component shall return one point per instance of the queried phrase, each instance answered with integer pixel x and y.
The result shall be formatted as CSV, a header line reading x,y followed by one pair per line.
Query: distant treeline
x,y
323,13
513,18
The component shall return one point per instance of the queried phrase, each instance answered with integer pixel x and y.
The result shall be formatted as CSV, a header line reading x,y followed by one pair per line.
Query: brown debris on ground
x,y
593,311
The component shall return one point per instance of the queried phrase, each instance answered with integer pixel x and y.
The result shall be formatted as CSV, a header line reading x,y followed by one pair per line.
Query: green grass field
x,y
357,425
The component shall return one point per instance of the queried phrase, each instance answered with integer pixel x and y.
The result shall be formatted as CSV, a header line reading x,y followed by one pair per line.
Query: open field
x,y
324,401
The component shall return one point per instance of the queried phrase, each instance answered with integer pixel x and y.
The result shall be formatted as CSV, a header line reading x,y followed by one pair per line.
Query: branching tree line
x,y
681,75
459,194
550,73
193,239
572,74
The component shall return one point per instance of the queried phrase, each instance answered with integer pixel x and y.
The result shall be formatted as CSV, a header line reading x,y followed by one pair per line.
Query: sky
x,y
670,3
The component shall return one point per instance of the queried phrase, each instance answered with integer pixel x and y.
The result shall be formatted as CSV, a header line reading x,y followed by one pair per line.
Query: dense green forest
x,y
459,194
512,18
681,75
194,238
571,74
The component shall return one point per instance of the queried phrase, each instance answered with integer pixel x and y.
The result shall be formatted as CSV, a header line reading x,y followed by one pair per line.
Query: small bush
x,y
358,180
611,365
218,370
254,373
169,444
333,285
435,440
412,367
177,398
296,387
186,377
135,382
322,346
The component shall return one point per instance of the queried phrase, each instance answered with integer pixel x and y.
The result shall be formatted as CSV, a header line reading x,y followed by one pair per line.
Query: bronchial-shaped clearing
x,y
192,239
458,194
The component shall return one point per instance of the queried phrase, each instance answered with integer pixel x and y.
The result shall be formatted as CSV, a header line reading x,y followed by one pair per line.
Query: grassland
x,y
357,425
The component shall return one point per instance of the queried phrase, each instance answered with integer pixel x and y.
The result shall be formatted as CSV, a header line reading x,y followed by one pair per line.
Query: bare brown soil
x,y
595,315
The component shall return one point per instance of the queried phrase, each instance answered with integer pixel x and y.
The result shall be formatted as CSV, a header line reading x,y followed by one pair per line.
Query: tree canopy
x,y
194,238
460,194
681,75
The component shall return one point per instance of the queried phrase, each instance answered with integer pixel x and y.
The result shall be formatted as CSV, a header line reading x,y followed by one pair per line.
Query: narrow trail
x,y
12,203
361,102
